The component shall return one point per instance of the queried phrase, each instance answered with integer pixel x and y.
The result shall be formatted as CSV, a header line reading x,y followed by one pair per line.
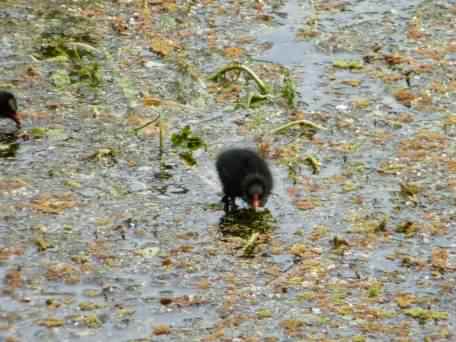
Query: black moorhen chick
x,y
244,174
8,107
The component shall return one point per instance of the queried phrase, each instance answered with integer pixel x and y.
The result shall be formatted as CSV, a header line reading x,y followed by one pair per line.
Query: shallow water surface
x,y
106,233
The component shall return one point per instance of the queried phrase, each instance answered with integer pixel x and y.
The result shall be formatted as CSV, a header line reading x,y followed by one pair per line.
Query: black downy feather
x,y
8,107
243,173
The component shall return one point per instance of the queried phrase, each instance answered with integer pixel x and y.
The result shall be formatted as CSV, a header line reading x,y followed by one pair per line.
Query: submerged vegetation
x,y
245,222
106,232
69,42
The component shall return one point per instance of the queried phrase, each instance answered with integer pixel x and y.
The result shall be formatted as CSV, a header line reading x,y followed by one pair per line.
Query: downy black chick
x,y
243,173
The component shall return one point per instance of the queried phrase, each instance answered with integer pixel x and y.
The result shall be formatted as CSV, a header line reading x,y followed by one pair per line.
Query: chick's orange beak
x,y
256,201
15,116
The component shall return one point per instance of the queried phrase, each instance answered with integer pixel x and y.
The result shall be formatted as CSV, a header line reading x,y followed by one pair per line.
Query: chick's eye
x,y
12,104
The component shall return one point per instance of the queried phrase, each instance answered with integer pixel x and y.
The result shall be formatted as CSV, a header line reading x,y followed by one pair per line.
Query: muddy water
x,y
96,245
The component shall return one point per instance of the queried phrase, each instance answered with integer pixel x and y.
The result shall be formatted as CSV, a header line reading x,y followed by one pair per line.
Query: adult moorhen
x,y
8,107
244,174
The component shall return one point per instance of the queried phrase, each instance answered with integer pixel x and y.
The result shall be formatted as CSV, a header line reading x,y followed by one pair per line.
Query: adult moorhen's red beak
x,y
256,201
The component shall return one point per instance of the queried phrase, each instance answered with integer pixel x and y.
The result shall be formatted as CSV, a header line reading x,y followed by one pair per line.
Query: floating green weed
x,y
61,79
69,41
86,71
43,132
375,290
253,101
38,132
186,139
186,142
348,64
8,150
104,155
263,313
289,91
245,222
423,315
